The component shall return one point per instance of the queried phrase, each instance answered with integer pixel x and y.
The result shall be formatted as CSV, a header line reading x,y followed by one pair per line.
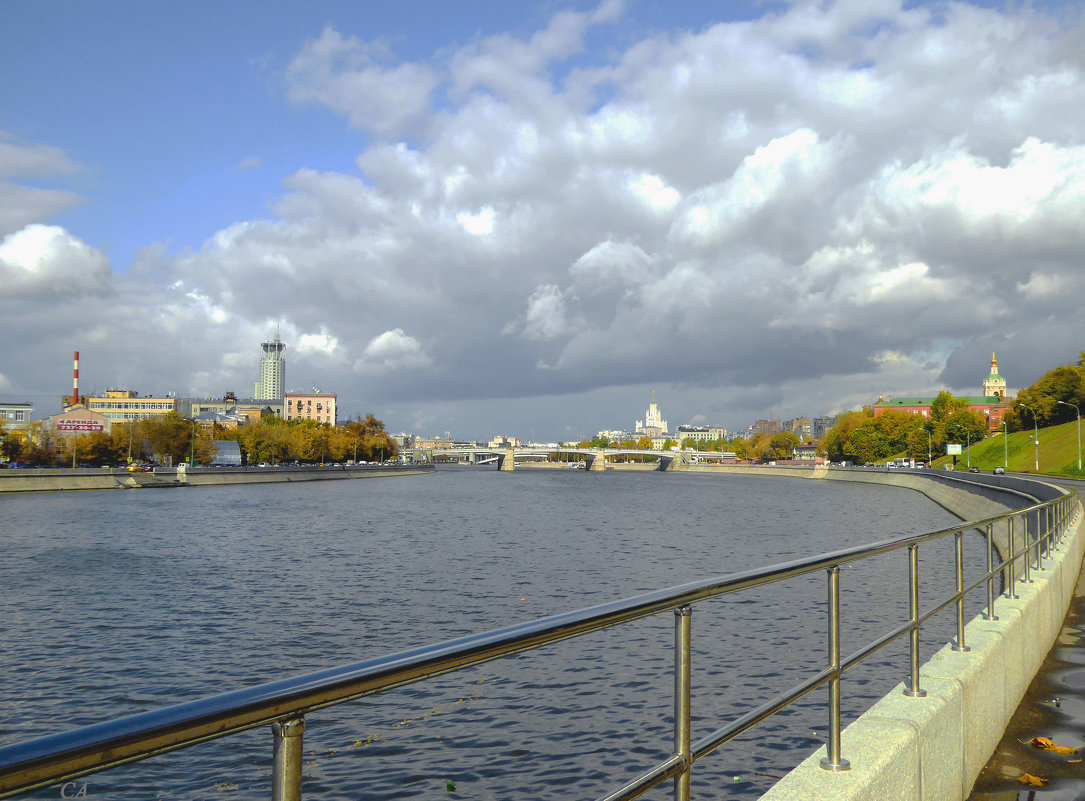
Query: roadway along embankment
x,y
64,479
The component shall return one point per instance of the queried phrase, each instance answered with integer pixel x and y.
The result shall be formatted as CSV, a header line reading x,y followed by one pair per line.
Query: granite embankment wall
x,y
933,748
55,480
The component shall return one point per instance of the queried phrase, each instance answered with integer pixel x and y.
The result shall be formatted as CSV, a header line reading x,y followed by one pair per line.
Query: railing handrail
x,y
66,755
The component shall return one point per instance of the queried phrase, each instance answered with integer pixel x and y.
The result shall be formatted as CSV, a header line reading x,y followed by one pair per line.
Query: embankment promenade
x,y
933,747
60,479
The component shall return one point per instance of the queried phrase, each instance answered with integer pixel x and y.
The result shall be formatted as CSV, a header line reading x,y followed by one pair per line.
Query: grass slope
x,y
1058,452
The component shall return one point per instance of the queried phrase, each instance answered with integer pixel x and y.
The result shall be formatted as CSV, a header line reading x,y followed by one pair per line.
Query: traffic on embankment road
x,y
89,478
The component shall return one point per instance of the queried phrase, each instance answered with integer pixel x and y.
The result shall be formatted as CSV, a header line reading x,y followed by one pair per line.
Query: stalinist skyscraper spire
x,y
272,381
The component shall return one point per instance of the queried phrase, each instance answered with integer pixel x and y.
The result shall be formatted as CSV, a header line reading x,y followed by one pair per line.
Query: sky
x,y
524,219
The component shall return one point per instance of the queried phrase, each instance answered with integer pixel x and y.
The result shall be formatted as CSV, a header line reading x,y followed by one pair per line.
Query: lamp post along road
x,y
1005,446
1035,438
1076,409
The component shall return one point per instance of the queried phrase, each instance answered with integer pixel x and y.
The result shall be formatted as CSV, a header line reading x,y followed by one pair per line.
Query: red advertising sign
x,y
79,425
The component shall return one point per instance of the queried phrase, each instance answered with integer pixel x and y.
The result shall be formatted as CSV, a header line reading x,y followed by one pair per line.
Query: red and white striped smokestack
x,y
75,380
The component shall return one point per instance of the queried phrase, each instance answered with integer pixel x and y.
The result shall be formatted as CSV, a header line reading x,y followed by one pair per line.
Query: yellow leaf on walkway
x,y
1045,744
1032,781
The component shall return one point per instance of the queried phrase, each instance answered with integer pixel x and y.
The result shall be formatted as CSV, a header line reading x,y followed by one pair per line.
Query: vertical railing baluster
x,y
989,535
1011,584
958,552
1041,536
833,760
1027,578
286,770
682,681
913,690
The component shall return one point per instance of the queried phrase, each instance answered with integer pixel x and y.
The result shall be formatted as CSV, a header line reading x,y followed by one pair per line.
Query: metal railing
x,y
283,704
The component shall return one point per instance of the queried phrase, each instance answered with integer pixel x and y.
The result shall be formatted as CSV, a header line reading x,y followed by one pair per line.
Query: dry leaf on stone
x,y
1032,781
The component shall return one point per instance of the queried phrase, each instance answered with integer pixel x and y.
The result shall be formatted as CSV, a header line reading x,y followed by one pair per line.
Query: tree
x,y
944,404
169,435
10,443
964,427
203,448
1066,384
645,443
780,446
98,448
837,438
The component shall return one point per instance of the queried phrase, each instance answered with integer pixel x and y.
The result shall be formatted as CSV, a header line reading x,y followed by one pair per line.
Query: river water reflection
x,y
119,602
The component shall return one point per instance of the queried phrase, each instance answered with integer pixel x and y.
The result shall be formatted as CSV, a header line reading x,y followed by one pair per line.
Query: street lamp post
x,y
1076,409
1035,438
1005,446
928,449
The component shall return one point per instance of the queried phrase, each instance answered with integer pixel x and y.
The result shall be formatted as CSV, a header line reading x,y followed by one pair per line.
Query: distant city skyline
x,y
527,217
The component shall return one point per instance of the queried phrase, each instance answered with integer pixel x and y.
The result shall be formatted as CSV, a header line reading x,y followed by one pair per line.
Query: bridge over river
x,y
588,458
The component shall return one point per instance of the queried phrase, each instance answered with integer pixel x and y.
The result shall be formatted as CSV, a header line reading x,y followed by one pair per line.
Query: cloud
x,y
250,163
47,261
793,212
390,352
546,315
21,205
346,75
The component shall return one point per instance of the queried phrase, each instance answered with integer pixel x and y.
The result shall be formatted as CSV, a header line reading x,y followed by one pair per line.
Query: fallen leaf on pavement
x,y
1045,744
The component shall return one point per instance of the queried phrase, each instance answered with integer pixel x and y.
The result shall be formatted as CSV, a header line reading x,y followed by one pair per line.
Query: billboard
x,y
953,450
79,425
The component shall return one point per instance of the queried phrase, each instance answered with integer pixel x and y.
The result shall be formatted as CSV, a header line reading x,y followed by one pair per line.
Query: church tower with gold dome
x,y
994,385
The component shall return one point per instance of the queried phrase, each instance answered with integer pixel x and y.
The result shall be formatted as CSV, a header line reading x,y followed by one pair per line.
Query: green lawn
x,y
1058,452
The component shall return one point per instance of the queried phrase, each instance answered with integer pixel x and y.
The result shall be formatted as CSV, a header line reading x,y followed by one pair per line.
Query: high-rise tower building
x,y
272,381
653,423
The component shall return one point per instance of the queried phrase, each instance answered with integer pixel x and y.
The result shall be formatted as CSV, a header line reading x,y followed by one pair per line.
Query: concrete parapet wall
x,y
60,479
933,748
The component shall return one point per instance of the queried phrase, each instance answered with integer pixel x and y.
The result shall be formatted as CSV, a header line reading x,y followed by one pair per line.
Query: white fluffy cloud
x,y
45,260
346,75
392,351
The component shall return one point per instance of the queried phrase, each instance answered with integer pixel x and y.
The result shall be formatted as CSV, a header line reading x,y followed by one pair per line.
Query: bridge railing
x,y
1033,532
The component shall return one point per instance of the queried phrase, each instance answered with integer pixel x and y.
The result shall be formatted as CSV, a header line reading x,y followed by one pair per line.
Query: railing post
x,y
990,614
913,690
833,760
1011,584
286,771
1027,578
958,551
682,743
1041,537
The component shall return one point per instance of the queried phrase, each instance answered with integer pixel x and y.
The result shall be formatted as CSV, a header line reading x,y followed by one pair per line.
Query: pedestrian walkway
x,y
1053,708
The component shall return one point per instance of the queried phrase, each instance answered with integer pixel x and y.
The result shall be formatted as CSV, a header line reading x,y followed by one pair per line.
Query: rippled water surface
x,y
120,602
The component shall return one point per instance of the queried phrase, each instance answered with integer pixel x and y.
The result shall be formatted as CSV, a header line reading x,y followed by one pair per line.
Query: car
x,y
998,471
973,470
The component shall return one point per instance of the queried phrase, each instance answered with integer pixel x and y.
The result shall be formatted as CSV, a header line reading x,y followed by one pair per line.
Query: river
x,y
119,602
